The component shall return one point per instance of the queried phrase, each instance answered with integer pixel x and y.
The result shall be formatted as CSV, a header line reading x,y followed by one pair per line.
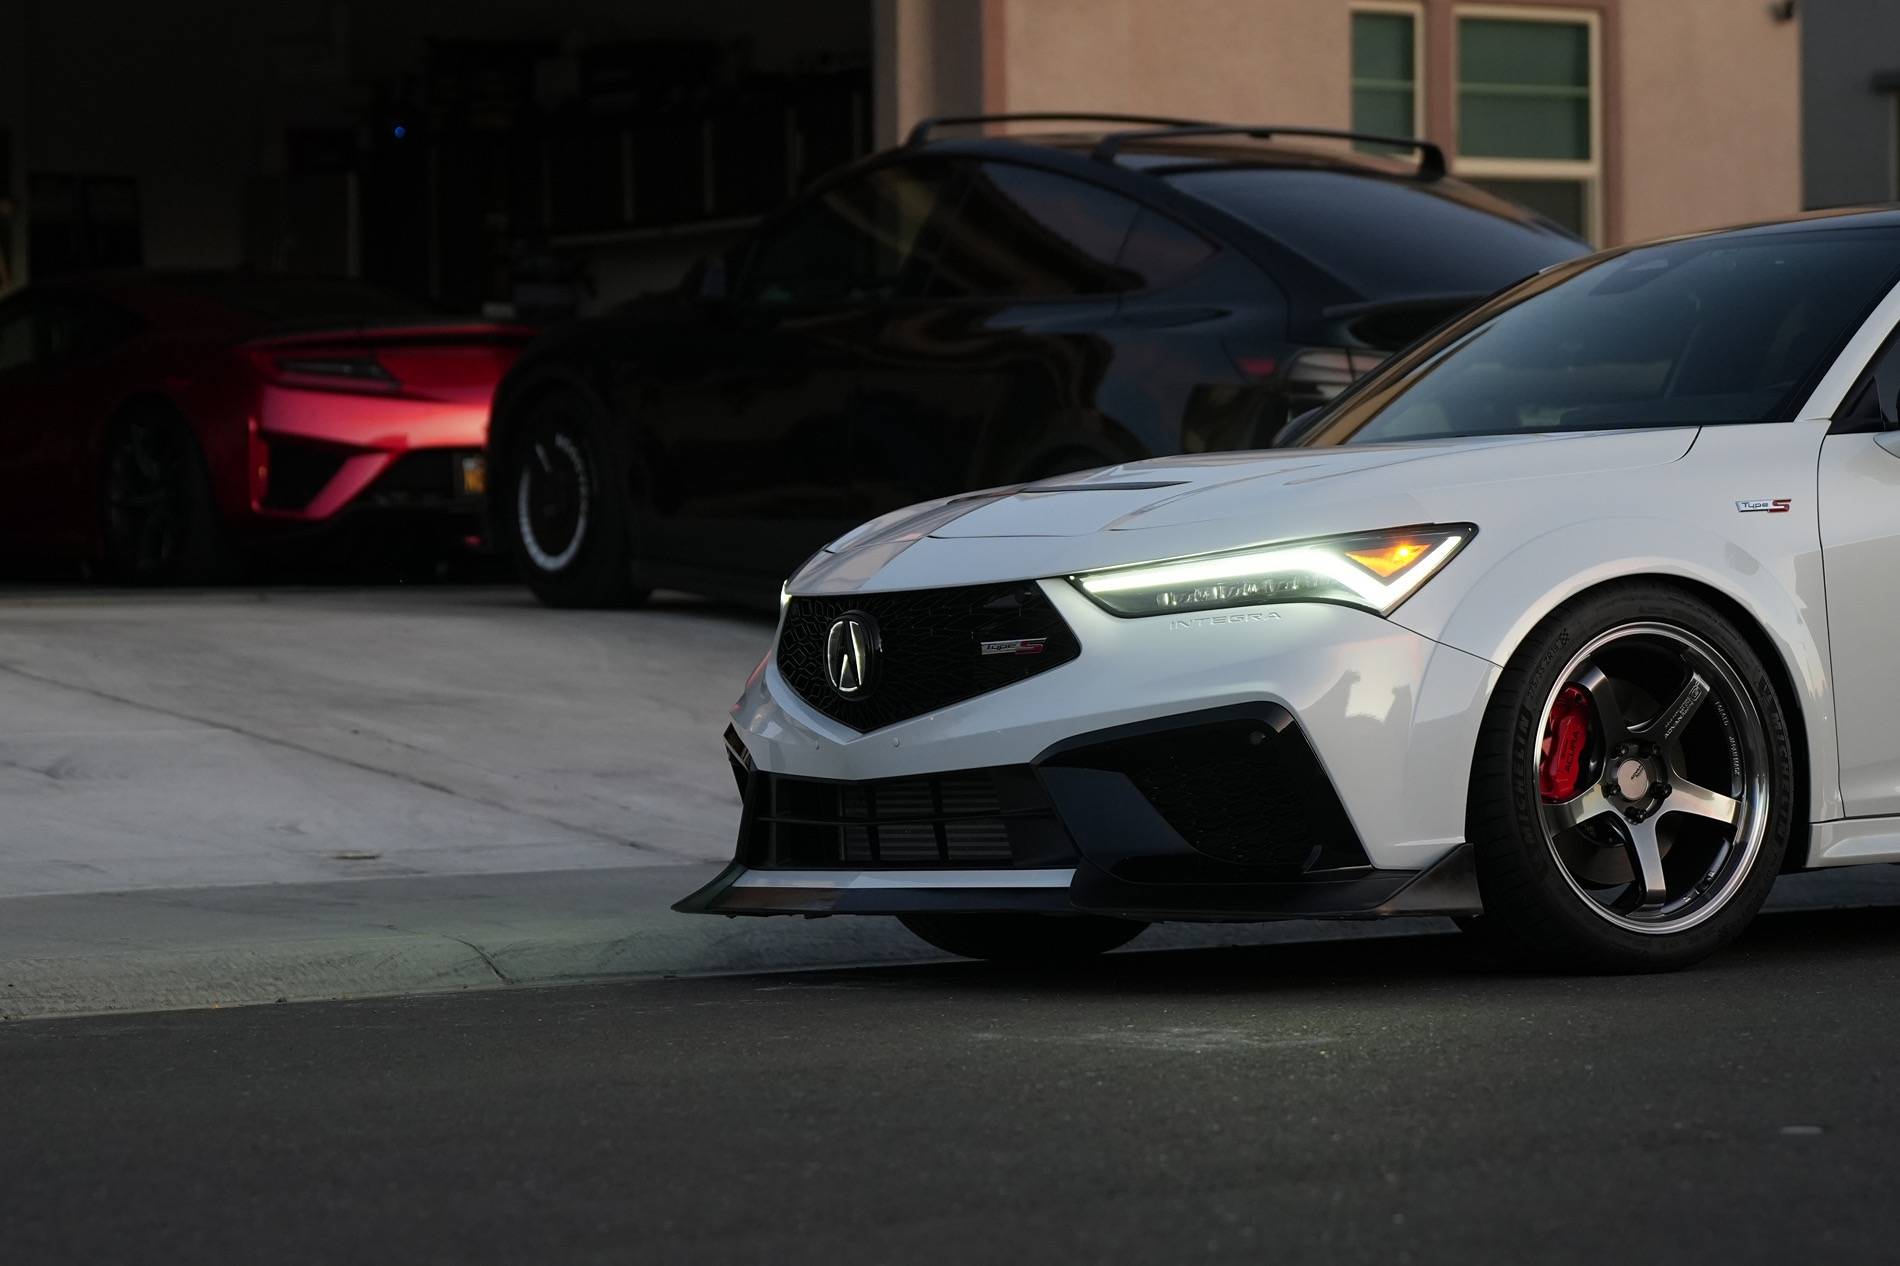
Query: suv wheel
x,y
565,515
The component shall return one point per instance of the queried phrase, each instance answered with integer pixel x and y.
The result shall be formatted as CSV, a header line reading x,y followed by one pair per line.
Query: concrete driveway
x,y
279,736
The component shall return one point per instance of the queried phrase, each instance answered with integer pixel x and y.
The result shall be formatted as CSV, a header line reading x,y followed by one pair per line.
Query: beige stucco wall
x,y
1701,101
1711,103
927,58
1279,61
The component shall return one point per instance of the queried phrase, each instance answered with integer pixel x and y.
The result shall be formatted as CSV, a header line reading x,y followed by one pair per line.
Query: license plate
x,y
473,476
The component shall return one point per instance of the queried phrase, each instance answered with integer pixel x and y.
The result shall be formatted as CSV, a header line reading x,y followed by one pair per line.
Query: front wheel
x,y
1633,790
565,511
1026,939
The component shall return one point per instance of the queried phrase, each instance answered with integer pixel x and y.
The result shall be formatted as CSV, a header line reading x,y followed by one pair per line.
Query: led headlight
x,y
1373,570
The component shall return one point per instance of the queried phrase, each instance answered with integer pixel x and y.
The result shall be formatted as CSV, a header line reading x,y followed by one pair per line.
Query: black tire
x,y
1025,939
564,506
158,516
1551,878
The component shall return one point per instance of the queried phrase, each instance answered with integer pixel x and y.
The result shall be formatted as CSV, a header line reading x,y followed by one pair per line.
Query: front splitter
x,y
1447,888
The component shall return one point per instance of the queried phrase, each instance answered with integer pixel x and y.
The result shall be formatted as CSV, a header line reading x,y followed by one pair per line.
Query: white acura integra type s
x,y
1578,619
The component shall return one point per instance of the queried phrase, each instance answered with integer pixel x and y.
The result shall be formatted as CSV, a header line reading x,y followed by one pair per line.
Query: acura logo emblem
x,y
851,650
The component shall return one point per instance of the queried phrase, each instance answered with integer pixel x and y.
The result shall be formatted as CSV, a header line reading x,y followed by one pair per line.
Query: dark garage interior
x,y
512,159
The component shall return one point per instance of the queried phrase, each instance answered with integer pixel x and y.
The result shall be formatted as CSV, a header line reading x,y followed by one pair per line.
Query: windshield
x,y
1711,330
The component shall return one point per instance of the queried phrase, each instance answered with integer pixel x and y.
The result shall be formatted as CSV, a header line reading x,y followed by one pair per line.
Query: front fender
x,y
1487,602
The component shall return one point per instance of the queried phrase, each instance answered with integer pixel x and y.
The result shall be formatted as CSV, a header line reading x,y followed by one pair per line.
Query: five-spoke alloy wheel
x,y
1654,821
1633,789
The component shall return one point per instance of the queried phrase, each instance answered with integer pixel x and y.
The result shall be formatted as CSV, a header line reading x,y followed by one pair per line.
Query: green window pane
x,y
1565,201
1523,89
1498,50
1383,86
1382,47
1518,127
1383,111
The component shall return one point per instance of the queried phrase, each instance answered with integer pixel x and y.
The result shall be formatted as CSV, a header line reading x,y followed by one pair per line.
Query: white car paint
x,y
1393,704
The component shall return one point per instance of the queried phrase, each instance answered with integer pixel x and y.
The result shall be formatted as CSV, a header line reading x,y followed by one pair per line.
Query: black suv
x,y
970,312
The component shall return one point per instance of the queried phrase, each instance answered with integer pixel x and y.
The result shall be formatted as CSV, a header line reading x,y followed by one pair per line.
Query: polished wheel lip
x,y
1709,675
544,558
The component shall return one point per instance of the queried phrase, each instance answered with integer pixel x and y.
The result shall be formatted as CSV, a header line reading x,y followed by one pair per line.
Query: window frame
x,y
1588,172
1414,10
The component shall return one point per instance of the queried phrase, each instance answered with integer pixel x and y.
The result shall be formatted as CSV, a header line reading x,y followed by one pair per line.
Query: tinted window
x,y
1726,329
49,328
1160,252
1877,398
1383,238
1020,232
850,242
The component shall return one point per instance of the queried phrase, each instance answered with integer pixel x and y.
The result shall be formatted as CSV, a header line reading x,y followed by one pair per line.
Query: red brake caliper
x,y
1566,740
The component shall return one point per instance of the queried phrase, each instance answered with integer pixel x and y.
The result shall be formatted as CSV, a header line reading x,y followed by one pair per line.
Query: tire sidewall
x,y
599,574
1521,882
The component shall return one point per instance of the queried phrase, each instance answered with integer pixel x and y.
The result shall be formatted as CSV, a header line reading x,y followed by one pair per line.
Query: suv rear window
x,y
1383,237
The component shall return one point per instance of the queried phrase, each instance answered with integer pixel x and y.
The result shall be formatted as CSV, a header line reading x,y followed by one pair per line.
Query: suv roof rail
x,y
1431,158
921,133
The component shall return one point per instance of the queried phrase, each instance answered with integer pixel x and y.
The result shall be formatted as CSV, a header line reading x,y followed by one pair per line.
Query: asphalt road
x,y
1382,1100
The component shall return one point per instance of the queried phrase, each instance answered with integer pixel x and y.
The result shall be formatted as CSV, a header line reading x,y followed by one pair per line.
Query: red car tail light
x,y
351,371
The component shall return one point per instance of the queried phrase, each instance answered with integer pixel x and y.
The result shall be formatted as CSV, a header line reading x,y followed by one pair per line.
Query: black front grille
x,y
973,818
931,650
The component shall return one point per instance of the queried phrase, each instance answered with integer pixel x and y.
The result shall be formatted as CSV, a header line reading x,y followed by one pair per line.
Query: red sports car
x,y
158,424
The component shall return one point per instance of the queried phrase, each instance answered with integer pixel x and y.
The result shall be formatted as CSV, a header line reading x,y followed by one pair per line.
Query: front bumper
x,y
1299,761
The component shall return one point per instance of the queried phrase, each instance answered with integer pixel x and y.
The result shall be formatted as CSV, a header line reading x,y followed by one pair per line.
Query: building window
x,y
1529,110
1386,79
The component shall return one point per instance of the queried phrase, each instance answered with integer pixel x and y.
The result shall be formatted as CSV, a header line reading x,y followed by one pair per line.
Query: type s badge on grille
x,y
1015,646
852,648
1764,505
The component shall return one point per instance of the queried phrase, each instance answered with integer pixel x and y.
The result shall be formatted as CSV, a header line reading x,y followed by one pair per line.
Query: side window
x,y
1874,404
1160,251
1024,233
849,243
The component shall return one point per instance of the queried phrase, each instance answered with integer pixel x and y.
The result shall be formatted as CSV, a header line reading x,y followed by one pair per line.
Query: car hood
x,y
1171,506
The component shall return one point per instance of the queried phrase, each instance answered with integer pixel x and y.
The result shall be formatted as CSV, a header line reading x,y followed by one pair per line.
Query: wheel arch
x,y
1772,652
